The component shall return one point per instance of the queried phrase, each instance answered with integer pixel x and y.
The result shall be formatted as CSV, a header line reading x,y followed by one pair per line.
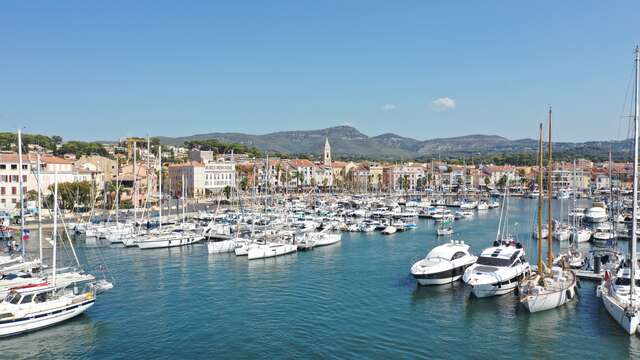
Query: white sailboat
x,y
551,286
620,293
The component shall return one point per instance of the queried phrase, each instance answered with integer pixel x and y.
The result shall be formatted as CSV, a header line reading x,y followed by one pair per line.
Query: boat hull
x,y
39,321
629,322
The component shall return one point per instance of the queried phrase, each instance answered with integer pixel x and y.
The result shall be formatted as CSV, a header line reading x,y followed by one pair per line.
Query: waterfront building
x,y
402,177
496,173
202,179
304,171
10,181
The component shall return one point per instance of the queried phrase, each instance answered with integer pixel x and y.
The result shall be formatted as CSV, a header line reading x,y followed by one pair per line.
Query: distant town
x,y
89,173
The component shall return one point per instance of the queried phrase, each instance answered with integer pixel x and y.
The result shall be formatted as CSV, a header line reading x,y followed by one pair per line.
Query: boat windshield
x,y
624,281
493,261
12,298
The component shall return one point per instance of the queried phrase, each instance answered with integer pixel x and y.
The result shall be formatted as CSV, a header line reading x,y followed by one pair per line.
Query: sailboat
x,y
620,292
178,236
551,286
34,306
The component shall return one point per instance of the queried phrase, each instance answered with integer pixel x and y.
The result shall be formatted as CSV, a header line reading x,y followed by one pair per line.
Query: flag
x,y
25,234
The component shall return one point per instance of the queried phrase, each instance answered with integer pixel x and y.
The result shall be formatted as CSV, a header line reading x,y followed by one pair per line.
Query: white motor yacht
x,y
497,270
596,214
443,264
34,307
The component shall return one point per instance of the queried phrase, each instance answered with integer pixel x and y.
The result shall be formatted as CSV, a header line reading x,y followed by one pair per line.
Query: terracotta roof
x,y
338,164
13,157
302,163
55,160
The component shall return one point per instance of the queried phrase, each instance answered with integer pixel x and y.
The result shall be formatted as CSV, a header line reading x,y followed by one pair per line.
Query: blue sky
x,y
103,70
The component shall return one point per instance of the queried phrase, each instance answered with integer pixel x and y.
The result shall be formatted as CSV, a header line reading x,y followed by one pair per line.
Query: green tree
x,y
72,195
227,192
502,182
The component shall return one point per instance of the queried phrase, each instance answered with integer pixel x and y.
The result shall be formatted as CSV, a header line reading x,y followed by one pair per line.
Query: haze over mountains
x,y
348,142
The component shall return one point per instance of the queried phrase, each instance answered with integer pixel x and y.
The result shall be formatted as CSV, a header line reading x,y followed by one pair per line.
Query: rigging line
x,y
624,104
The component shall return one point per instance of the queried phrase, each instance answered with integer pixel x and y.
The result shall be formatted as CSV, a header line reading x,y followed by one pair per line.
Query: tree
x,y
244,183
227,191
31,195
487,181
325,183
72,195
502,182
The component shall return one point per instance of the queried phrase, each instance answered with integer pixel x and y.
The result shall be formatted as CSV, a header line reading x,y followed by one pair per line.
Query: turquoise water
x,y
354,300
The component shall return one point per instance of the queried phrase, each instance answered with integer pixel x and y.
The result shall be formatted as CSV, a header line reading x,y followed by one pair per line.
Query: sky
x,y
103,70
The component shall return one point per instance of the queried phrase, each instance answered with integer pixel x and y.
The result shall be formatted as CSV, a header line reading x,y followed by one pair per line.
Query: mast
x,y
146,202
610,189
135,183
540,201
634,225
184,187
160,186
20,182
55,223
550,195
117,190
39,208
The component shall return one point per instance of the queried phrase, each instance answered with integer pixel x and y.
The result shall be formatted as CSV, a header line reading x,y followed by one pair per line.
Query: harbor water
x,y
352,300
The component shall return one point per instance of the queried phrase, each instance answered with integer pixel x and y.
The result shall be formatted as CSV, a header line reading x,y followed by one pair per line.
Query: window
x,y
457,255
626,281
26,299
14,166
14,190
24,178
493,261
3,167
2,191
12,298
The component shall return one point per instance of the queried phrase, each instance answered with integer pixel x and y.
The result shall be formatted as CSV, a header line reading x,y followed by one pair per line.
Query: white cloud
x,y
389,107
443,104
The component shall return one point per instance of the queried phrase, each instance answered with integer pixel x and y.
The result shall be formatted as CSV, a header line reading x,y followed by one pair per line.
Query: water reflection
x,y
72,339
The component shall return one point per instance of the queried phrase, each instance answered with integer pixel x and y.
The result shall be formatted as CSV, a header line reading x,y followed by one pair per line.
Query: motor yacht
x,y
498,269
443,264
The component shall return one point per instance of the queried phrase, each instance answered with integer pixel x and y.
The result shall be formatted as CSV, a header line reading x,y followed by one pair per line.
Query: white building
x,y
202,179
218,175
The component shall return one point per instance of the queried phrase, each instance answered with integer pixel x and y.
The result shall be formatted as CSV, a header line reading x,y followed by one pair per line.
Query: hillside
x,y
348,142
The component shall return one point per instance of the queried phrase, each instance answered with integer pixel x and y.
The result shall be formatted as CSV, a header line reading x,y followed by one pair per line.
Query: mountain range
x,y
348,142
